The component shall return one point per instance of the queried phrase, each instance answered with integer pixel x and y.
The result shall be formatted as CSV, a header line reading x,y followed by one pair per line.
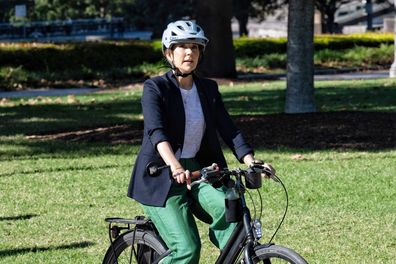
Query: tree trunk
x,y
241,12
369,11
300,69
392,70
327,10
242,22
215,19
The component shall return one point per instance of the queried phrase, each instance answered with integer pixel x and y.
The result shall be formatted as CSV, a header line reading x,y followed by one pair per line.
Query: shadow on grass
x,y
310,131
318,131
17,217
19,251
23,149
39,118
57,169
78,129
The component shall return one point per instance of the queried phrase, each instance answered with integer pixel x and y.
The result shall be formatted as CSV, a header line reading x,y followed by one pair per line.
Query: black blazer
x,y
164,120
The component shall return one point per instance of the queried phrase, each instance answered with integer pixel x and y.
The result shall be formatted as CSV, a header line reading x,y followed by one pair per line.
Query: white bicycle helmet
x,y
183,31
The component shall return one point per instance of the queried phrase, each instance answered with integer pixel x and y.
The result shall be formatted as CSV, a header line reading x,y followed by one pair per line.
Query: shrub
x,y
356,57
252,47
273,61
12,78
60,57
37,63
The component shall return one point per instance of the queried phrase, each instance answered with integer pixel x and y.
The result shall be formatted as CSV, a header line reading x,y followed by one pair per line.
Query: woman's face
x,y
185,56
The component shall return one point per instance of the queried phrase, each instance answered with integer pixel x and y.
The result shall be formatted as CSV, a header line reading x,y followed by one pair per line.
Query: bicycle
x,y
138,241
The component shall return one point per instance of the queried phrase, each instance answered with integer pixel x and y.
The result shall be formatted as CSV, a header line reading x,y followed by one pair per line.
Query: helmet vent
x,y
180,31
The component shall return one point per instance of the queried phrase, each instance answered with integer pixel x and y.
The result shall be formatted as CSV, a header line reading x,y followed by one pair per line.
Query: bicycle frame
x,y
242,246
241,238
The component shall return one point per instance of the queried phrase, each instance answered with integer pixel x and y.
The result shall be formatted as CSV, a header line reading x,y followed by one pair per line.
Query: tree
x,y
327,9
392,70
300,69
241,11
215,19
63,9
156,14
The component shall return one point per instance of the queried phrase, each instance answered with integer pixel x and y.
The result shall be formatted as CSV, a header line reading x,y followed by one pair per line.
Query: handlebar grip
x,y
154,169
195,174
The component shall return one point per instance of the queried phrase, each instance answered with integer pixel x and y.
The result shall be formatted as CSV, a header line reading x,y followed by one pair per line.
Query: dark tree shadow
x,y
19,251
56,169
17,217
103,123
311,131
352,130
316,131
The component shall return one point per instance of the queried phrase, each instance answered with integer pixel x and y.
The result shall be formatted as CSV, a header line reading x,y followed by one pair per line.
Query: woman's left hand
x,y
268,172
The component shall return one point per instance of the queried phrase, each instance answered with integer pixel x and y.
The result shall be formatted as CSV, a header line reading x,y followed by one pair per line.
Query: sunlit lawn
x,y
54,195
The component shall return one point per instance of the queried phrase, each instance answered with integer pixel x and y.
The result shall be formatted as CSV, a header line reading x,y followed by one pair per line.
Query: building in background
x,y
70,30
349,18
353,17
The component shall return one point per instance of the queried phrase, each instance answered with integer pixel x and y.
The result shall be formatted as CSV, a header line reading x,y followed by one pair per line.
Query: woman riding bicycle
x,y
182,115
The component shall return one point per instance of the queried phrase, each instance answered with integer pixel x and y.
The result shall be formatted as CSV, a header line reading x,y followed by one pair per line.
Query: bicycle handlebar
x,y
154,170
213,173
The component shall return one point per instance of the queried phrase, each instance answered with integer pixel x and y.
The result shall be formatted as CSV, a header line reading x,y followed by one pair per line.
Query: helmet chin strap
x,y
178,73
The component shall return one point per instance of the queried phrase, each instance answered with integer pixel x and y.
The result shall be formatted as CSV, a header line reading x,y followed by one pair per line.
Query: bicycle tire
x,y
274,254
147,248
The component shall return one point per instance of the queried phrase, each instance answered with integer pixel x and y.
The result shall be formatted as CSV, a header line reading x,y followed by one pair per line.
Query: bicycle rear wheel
x,y
274,254
147,248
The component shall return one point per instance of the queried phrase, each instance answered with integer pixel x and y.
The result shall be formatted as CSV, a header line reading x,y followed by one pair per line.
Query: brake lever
x,y
266,171
205,173
198,182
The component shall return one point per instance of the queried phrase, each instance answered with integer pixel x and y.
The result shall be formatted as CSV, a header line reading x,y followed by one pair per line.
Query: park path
x,y
75,91
46,92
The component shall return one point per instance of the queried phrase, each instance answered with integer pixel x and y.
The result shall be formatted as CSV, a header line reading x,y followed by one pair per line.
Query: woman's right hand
x,y
180,175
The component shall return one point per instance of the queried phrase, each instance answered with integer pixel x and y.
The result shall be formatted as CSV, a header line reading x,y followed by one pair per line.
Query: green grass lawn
x,y
55,195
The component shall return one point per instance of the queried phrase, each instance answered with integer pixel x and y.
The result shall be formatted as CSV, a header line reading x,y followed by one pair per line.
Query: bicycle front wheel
x,y
274,254
138,247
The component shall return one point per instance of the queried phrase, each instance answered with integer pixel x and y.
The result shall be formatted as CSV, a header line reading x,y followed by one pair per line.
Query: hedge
x,y
252,47
107,55
69,56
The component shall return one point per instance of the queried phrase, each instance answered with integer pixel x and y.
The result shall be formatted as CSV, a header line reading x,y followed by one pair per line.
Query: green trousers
x,y
176,224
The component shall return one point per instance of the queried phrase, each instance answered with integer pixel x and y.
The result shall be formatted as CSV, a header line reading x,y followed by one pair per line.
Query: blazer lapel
x,y
176,99
204,101
176,108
